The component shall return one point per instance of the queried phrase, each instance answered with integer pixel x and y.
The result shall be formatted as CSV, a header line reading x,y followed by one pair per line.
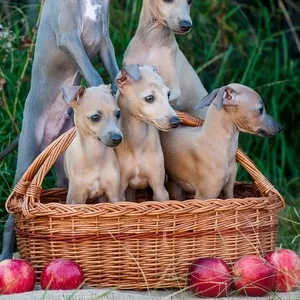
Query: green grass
x,y
230,42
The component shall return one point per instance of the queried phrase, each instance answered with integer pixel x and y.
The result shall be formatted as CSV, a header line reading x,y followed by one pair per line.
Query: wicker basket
x,y
140,245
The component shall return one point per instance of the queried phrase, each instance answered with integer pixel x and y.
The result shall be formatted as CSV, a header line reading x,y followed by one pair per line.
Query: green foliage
x,y
247,42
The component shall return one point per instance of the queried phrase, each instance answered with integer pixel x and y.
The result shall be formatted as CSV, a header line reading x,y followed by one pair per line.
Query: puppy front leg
x,y
70,195
123,187
198,195
76,196
107,54
112,195
159,191
160,194
228,190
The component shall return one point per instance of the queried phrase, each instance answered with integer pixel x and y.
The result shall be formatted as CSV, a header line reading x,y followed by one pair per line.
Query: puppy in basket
x,y
90,162
201,160
143,99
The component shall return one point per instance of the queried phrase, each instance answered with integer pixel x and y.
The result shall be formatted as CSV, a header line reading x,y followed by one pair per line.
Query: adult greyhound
x,y
155,44
71,34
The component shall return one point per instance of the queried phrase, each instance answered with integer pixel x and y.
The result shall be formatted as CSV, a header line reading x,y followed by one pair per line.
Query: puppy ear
x,y
219,97
229,96
207,100
128,74
71,94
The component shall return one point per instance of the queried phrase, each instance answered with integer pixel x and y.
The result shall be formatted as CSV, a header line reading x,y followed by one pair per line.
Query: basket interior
x,y
241,190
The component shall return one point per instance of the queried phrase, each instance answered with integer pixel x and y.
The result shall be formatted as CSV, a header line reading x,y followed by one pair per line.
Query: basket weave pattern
x,y
140,245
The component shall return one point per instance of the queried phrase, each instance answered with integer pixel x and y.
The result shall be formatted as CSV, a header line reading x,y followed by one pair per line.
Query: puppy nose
x,y
174,121
116,138
185,25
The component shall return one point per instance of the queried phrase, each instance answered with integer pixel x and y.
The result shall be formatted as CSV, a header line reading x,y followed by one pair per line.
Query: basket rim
x,y
170,207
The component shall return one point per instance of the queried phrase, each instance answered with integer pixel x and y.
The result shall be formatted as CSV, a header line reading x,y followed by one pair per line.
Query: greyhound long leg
x,y
8,238
107,54
29,147
71,44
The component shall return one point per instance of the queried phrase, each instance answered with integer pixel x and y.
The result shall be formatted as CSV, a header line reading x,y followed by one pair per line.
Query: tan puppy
x,y
143,100
154,43
202,160
90,162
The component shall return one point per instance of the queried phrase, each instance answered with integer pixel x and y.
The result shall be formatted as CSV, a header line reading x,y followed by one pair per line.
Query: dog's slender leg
x,y
227,191
8,238
198,196
29,145
112,195
160,194
69,199
71,44
81,196
62,181
159,191
107,54
175,192
123,187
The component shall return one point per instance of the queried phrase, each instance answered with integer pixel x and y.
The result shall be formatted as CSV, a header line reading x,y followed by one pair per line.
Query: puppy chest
x,y
221,174
138,178
95,189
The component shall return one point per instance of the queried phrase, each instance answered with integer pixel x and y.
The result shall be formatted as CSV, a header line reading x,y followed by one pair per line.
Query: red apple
x,y
253,276
286,265
16,276
61,274
209,277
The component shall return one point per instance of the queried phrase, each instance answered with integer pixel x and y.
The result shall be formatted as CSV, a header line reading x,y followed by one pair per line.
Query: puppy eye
x,y
168,1
261,110
118,114
149,99
95,118
189,2
169,94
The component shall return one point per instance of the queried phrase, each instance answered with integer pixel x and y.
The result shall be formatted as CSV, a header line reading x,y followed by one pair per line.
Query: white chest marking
x,y
90,10
136,180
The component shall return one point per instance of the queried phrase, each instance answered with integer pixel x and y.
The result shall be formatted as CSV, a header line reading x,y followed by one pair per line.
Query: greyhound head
x,y
174,14
246,108
146,96
95,112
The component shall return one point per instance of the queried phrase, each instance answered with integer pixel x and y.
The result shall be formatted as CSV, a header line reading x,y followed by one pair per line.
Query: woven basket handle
x,y
262,183
31,182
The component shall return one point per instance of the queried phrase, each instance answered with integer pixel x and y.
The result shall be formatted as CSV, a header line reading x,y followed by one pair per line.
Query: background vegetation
x,y
251,42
